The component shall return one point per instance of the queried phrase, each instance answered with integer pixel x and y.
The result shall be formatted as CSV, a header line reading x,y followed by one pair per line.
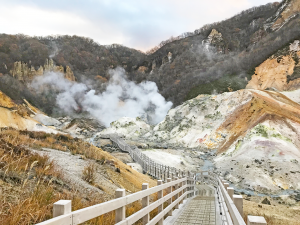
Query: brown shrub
x,y
89,173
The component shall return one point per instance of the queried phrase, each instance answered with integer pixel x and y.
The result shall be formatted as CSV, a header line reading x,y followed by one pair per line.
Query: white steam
x,y
121,97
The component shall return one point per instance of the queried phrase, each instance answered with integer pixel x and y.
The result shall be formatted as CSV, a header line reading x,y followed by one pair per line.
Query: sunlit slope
x,y
264,105
18,116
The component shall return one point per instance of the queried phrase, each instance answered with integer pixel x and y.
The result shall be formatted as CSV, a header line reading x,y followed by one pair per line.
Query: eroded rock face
x,y
272,74
69,74
269,153
291,9
278,72
23,72
214,39
129,127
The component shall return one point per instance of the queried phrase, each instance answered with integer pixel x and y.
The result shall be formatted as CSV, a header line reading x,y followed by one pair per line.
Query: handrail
x,y
236,217
112,205
149,166
85,214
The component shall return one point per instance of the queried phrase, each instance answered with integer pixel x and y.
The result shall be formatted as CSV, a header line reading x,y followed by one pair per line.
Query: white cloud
x,y
34,21
134,23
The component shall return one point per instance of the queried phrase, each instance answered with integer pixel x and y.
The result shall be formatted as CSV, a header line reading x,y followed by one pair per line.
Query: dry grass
x,y
30,183
26,185
89,173
274,214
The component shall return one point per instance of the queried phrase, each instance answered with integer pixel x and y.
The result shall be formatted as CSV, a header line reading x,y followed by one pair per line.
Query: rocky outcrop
x,y
279,72
290,10
69,74
6,101
170,57
272,74
18,116
23,72
214,39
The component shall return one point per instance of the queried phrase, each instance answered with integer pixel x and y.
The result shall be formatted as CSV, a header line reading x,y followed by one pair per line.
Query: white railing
x,y
156,170
179,188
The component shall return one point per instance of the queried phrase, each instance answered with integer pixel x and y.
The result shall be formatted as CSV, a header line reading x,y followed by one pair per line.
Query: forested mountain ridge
x,y
215,58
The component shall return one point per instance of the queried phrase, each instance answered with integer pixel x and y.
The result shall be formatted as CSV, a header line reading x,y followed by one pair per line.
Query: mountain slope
x,y
217,57
216,121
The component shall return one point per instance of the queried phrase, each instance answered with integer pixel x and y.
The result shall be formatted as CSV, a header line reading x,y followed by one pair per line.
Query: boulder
x,y
266,201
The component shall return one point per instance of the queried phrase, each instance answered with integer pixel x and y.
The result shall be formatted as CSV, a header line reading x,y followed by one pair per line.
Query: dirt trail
x,y
72,167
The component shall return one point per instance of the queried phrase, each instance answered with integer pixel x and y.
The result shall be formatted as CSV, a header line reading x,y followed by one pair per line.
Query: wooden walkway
x,y
201,210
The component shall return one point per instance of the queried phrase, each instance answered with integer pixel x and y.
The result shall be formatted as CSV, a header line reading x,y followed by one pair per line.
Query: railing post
x,y
145,203
226,185
151,168
193,187
181,192
169,190
166,174
176,196
190,188
62,207
147,167
157,170
120,212
183,184
230,192
160,208
238,201
187,188
194,183
160,172
256,220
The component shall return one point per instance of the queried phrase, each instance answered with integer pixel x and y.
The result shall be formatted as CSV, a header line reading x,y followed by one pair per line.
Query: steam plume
x,y
121,97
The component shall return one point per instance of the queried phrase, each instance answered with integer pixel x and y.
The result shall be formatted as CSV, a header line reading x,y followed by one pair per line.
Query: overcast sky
x,y
139,24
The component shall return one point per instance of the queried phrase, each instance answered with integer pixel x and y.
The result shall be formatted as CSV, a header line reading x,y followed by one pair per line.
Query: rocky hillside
x,y
243,127
217,121
215,58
